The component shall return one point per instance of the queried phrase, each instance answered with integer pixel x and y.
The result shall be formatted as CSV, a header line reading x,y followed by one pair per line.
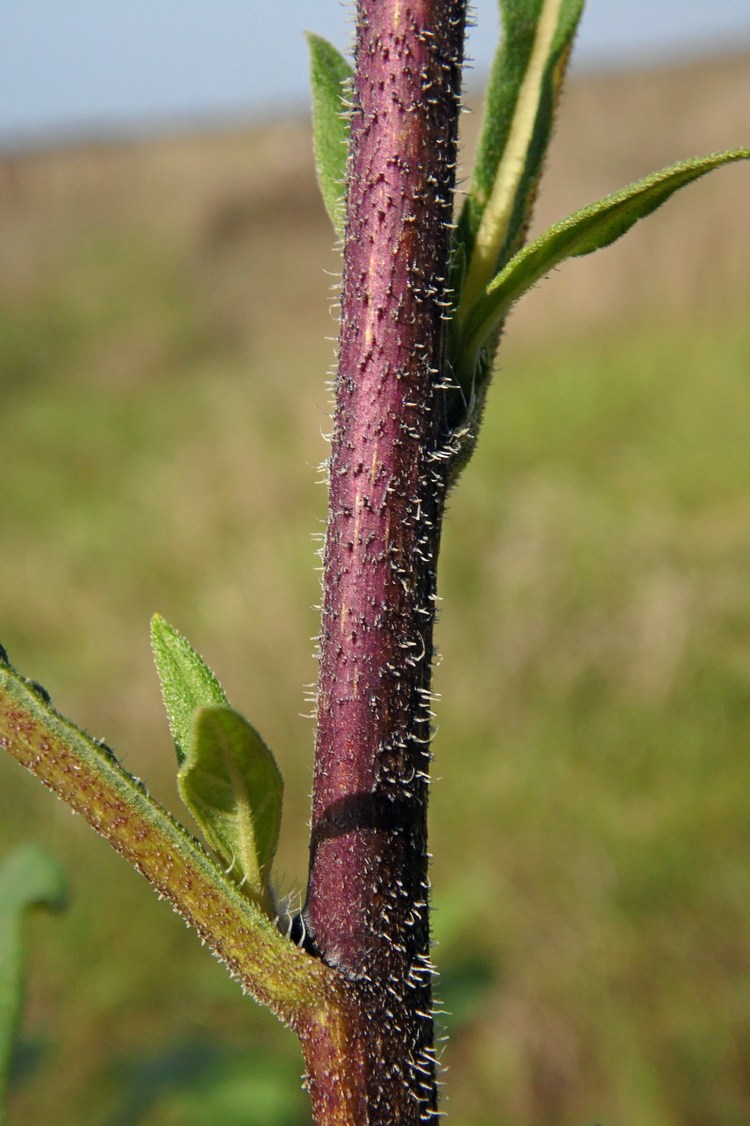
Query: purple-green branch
x,y
89,779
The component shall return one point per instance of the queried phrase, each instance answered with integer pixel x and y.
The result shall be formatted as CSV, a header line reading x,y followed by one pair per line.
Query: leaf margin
x,y
187,683
329,75
559,242
524,87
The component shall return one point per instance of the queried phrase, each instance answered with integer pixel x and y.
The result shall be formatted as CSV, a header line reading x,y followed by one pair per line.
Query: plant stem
x,y
85,774
367,897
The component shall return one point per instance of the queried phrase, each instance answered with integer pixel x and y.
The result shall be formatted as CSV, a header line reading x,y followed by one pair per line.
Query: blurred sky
x,y
72,68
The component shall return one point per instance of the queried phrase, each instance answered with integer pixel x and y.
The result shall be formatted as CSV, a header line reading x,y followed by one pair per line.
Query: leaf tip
x,y
187,683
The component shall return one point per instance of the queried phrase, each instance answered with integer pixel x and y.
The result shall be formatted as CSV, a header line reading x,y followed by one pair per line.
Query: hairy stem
x,y
85,774
367,897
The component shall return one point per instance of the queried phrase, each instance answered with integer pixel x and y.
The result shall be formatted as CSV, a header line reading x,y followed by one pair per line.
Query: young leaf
x,y
330,74
589,229
524,88
231,784
29,877
187,682
228,778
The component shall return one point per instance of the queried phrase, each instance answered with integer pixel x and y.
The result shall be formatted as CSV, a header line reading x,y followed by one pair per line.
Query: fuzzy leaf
x,y
330,74
522,96
589,229
187,682
231,784
29,877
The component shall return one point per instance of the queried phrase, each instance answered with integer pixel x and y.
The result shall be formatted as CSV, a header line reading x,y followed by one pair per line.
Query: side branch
x,y
86,775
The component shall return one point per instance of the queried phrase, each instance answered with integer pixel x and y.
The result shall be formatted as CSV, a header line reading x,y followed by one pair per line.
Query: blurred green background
x,y
165,334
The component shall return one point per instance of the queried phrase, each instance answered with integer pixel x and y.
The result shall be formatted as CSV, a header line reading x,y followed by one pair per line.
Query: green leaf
x,y
231,784
589,229
330,76
228,778
187,682
522,96
29,877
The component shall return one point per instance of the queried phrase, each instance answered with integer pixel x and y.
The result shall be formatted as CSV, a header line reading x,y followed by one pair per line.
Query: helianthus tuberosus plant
x,y
424,300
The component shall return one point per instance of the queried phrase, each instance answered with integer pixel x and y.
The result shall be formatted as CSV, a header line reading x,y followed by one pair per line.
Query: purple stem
x,y
367,898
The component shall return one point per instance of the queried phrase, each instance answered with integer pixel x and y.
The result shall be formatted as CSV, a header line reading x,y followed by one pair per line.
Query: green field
x,y
591,812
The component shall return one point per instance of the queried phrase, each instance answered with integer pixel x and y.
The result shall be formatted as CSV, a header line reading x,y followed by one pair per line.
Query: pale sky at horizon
x,y
76,68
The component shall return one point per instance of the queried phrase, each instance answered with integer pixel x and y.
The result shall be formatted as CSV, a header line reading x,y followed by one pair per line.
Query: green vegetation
x,y
227,777
592,856
28,878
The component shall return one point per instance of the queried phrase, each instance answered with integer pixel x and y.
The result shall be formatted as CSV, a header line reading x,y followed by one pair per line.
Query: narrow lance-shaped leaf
x,y
589,229
187,682
524,88
330,75
29,877
231,784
